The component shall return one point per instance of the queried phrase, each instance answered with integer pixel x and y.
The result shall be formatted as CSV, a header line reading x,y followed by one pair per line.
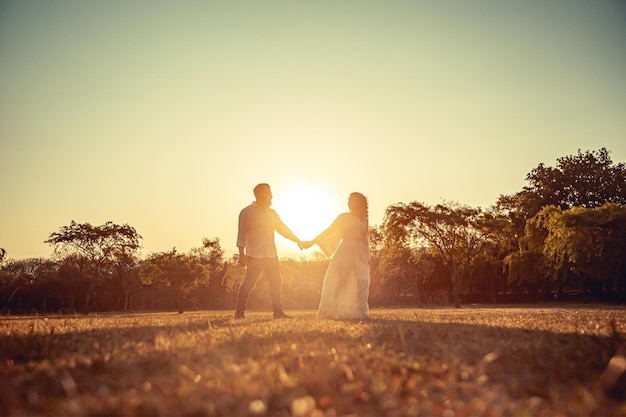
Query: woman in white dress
x,y
345,289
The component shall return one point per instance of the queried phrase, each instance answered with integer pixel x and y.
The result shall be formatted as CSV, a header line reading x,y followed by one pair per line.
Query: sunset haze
x,y
164,115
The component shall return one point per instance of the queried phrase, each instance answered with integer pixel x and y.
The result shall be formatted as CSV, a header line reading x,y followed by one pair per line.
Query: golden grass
x,y
473,361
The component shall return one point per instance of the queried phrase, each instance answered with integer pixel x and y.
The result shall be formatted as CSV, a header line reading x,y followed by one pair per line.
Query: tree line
x,y
562,236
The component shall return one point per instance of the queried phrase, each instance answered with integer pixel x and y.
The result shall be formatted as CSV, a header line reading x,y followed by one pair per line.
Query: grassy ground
x,y
473,361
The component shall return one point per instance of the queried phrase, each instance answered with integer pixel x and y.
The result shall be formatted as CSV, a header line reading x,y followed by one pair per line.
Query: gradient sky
x,y
165,114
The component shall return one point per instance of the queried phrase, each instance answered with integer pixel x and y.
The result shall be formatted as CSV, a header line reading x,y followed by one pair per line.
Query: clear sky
x,y
165,114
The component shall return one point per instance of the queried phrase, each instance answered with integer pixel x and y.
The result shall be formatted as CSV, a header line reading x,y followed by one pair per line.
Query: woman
x,y
346,283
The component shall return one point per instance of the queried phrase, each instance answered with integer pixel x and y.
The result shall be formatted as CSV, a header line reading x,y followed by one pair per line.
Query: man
x,y
257,250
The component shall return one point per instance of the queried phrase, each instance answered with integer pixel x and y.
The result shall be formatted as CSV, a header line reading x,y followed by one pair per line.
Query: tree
x,y
2,255
422,268
487,269
180,273
591,179
394,268
235,274
102,245
211,256
399,266
588,179
27,279
75,277
126,275
483,275
526,270
590,243
377,288
457,233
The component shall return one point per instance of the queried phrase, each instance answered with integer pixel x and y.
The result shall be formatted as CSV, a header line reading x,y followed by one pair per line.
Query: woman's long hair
x,y
358,205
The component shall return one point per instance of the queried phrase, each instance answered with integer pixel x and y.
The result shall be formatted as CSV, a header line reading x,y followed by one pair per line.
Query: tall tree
x,y
126,275
527,266
102,245
394,269
590,243
423,266
587,179
456,232
487,272
400,266
75,277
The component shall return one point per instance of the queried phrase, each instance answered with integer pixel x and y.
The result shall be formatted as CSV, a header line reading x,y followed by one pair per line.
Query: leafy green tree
x,y
486,272
456,232
590,243
588,179
591,179
102,245
526,270
487,268
528,266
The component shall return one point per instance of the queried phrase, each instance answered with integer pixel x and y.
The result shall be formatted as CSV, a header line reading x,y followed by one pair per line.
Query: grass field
x,y
474,361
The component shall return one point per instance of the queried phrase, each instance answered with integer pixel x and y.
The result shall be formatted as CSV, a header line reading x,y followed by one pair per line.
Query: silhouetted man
x,y
257,250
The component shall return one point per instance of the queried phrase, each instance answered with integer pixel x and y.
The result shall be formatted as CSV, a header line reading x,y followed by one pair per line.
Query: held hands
x,y
306,244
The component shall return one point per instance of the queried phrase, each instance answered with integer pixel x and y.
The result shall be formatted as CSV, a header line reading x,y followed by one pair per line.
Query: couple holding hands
x,y
345,288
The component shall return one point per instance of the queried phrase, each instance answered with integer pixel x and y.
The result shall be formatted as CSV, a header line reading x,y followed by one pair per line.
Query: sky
x,y
164,115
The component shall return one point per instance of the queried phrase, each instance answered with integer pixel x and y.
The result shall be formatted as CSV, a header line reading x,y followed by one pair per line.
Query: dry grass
x,y
472,361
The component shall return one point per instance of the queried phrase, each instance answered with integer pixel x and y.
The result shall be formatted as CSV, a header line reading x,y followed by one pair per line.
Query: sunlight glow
x,y
306,208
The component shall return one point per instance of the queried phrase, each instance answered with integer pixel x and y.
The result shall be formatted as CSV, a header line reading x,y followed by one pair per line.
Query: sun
x,y
306,208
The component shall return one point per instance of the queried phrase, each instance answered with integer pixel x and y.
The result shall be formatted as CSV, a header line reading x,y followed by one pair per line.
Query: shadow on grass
x,y
299,357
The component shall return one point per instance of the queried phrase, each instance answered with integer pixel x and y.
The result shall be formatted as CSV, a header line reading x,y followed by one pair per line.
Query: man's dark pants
x,y
254,267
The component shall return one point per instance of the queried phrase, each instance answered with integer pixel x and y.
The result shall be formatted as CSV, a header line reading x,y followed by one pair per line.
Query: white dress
x,y
345,289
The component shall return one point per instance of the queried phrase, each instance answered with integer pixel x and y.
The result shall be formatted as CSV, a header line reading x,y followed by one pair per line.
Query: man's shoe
x,y
281,315
239,315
